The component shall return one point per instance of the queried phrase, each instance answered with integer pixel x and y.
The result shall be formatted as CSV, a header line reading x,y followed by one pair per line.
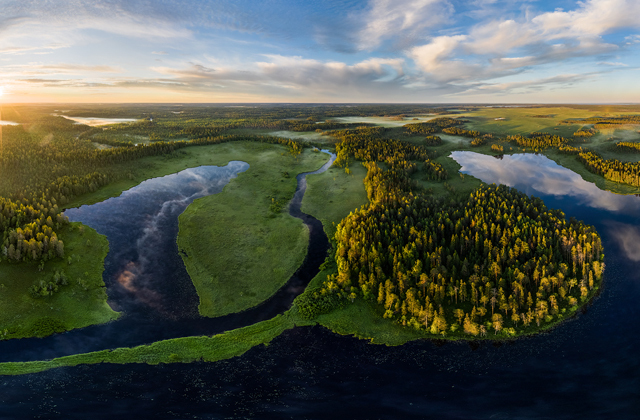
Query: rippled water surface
x,y
588,367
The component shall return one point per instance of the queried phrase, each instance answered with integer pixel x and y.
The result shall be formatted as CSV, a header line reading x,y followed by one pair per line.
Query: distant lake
x,y
387,121
97,121
299,135
8,123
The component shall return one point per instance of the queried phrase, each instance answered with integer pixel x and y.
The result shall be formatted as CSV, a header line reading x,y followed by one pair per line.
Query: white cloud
x,y
293,73
410,18
504,47
612,64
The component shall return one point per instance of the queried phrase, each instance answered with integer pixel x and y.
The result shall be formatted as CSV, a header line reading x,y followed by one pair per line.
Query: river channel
x,y
588,367
145,276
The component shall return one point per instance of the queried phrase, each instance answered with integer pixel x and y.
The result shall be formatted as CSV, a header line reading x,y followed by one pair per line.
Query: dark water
x,y
145,277
588,367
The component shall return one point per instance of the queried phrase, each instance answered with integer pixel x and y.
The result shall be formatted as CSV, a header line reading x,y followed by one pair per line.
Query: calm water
x,y
8,123
98,121
588,367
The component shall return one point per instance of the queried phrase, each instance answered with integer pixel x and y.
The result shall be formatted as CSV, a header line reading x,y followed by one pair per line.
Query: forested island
x,y
419,250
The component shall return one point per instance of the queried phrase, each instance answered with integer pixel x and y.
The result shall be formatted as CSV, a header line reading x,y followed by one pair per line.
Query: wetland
x,y
200,336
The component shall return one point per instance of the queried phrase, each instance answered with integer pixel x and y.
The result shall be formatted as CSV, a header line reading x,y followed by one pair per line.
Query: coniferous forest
x,y
496,260
493,261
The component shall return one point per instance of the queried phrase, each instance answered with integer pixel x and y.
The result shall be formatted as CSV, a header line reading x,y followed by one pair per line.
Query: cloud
x,y
385,19
506,47
527,86
291,73
612,64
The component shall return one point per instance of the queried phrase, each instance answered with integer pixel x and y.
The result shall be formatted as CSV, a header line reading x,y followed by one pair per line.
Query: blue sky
x,y
424,51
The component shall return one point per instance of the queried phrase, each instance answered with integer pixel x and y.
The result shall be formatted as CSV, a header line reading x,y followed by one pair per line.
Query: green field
x,y
79,303
526,120
178,350
332,195
241,245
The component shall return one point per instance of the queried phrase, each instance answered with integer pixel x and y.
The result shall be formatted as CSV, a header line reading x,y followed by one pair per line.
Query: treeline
x,y
606,122
627,146
570,150
585,133
457,131
432,141
431,126
612,169
498,261
538,140
40,175
367,145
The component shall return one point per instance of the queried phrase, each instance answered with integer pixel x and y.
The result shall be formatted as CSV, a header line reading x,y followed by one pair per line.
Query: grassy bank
x,y
240,246
79,303
332,195
179,350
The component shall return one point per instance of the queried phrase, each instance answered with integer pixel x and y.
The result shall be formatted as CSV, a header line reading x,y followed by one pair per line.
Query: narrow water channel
x,y
145,277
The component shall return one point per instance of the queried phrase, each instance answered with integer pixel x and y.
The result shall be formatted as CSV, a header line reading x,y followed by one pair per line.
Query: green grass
x,y
361,320
82,302
523,120
178,350
332,195
240,248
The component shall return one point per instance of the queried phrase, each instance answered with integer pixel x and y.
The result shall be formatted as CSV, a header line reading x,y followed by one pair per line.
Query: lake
x,y
586,368
97,121
387,121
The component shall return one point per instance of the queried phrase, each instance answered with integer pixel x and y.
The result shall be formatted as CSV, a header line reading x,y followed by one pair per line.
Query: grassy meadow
x,y
79,303
332,195
241,245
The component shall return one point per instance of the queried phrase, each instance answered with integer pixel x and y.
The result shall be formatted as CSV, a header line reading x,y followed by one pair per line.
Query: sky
x,y
341,51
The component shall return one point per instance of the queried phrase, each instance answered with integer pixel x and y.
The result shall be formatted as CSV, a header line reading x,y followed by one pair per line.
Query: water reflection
x,y
539,175
97,121
140,240
628,238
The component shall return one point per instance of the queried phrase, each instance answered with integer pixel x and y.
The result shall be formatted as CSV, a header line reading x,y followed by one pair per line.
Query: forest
x,y
495,261
40,176
612,169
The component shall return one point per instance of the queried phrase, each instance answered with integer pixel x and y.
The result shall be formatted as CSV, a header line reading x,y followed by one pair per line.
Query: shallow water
x,y
587,368
98,121
8,123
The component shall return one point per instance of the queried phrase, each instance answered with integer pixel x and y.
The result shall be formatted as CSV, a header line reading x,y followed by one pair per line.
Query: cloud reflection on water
x,y
537,173
142,225
628,238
